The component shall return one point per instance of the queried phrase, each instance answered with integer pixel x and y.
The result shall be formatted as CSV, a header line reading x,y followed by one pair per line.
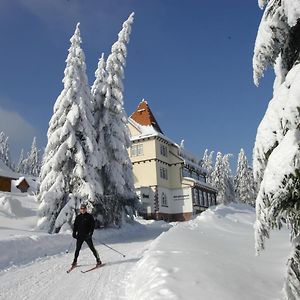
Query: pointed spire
x,y
144,116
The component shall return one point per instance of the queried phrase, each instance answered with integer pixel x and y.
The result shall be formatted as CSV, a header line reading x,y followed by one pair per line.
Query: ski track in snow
x,y
47,278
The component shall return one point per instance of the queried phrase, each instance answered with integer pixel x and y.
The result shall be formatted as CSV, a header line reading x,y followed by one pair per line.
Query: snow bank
x,y
19,243
24,249
11,206
211,257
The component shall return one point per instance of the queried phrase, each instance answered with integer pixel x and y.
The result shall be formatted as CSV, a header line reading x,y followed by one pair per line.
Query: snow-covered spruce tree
x,y
276,154
69,171
218,178
20,165
243,181
102,208
207,163
229,195
117,171
4,149
33,163
98,93
253,184
222,179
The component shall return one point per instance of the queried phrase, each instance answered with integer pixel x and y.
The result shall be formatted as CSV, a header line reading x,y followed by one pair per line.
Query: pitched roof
x,y
5,171
144,116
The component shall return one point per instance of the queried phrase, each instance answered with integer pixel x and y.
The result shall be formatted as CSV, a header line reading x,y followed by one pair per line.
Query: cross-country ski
x,y
94,268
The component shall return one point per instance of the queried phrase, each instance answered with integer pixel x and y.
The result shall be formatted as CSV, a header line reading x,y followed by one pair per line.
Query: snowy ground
x,y
210,257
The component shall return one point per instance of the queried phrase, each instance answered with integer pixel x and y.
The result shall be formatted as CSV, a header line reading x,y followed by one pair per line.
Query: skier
x,y
83,231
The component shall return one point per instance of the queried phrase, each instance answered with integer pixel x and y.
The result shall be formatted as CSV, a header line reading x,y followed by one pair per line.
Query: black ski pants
x,y
89,241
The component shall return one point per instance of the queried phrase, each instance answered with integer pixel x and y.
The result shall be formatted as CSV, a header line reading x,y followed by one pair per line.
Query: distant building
x,y
22,184
11,181
6,176
170,182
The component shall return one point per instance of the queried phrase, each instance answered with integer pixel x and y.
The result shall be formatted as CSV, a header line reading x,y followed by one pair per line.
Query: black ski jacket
x,y
84,226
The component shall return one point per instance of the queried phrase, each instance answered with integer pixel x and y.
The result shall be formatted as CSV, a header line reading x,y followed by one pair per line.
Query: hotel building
x,y
170,182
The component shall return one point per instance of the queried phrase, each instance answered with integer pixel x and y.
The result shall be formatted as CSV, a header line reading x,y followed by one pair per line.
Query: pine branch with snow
x,y
276,157
270,39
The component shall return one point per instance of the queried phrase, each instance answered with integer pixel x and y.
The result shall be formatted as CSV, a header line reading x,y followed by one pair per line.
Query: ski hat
x,y
82,205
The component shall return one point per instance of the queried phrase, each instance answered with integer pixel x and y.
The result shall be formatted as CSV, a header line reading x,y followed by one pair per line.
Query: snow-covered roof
x,y
191,160
144,116
5,171
147,131
201,183
193,165
18,181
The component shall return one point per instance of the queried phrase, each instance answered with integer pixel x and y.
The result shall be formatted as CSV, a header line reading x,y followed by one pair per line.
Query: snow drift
x,y
211,257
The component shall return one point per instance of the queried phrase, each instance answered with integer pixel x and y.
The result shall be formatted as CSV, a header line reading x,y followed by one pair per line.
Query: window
x,y
205,199
194,175
201,198
137,150
196,197
163,173
214,199
163,150
164,201
202,178
186,172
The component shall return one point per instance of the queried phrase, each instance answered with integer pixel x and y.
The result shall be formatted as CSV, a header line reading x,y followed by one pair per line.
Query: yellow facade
x,y
158,176
148,164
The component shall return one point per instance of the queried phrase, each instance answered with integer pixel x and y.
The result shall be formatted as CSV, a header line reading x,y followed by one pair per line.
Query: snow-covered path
x,y
47,278
209,257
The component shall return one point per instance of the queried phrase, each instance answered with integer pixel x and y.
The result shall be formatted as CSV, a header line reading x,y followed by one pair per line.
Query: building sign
x,y
181,195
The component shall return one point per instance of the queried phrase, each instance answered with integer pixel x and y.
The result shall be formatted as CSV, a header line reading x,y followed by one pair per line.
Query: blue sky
x,y
191,60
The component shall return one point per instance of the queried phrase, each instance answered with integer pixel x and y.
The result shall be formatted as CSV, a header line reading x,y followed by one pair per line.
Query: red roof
x,y
144,116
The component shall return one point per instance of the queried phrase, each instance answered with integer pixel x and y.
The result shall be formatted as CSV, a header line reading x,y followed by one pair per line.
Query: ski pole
x,y
67,251
112,248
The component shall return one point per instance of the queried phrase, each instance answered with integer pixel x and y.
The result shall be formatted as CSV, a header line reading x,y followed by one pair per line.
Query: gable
x,y
144,116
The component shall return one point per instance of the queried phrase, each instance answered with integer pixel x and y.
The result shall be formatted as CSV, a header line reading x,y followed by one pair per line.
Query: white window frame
x,y
137,150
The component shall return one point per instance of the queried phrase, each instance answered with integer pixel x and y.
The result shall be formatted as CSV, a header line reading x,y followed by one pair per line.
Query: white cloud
x,y
19,131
